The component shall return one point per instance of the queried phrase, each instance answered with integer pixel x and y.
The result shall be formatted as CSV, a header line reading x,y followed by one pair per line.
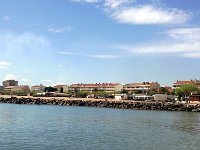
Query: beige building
x,y
107,87
9,88
17,88
179,83
144,86
38,88
65,88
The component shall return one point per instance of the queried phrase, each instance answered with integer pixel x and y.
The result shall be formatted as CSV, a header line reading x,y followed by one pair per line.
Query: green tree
x,y
95,90
186,90
81,94
124,91
138,92
163,90
179,92
50,89
75,91
152,92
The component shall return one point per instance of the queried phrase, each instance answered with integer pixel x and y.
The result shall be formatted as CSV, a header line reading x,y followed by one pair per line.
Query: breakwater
x,y
103,103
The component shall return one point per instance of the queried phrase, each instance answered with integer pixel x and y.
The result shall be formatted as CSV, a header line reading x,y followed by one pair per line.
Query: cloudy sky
x,y
89,41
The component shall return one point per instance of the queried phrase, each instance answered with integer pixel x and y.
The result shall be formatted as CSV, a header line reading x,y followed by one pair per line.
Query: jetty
x,y
106,103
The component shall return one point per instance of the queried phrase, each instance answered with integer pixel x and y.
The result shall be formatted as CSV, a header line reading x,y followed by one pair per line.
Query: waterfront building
x,y
24,87
194,98
17,88
142,97
144,87
163,97
179,83
120,96
107,87
65,88
9,88
10,83
38,88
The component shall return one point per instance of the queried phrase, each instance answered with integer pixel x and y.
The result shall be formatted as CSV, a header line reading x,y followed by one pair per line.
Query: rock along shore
x,y
105,103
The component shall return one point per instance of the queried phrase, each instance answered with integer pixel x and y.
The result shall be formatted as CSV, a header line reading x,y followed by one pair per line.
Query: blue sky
x,y
92,41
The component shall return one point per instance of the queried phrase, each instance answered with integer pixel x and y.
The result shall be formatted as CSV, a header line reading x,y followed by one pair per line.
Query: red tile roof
x,y
187,82
95,85
142,84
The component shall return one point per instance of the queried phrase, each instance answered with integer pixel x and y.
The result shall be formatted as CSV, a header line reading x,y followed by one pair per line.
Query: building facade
x,y
179,83
143,87
107,87
65,88
194,98
17,88
38,88
10,83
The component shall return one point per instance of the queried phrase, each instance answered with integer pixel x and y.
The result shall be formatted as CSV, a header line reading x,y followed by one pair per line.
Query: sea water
x,y
49,127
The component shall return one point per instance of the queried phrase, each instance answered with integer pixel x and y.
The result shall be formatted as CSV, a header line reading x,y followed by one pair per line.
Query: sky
x,y
95,41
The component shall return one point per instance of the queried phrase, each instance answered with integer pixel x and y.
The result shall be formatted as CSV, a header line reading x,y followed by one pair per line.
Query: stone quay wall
x,y
105,103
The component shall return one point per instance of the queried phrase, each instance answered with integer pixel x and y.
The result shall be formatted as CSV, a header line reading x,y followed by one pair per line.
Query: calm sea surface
x,y
61,127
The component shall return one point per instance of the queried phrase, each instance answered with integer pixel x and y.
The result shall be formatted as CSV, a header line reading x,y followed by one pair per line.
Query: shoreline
x,y
108,103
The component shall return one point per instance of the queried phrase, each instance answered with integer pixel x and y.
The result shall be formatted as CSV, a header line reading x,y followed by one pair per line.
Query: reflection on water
x,y
61,127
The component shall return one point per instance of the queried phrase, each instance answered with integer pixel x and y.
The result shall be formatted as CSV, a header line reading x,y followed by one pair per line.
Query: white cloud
x,y
29,52
66,53
149,14
4,64
182,42
114,4
191,55
46,80
167,47
24,47
133,12
102,56
60,30
111,4
6,18
185,33
22,42
10,77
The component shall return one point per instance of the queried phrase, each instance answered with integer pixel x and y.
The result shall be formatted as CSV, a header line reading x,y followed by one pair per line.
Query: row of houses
x,y
179,83
108,87
144,87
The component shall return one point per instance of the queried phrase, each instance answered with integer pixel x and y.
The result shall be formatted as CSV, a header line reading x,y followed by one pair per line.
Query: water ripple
x,y
59,127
